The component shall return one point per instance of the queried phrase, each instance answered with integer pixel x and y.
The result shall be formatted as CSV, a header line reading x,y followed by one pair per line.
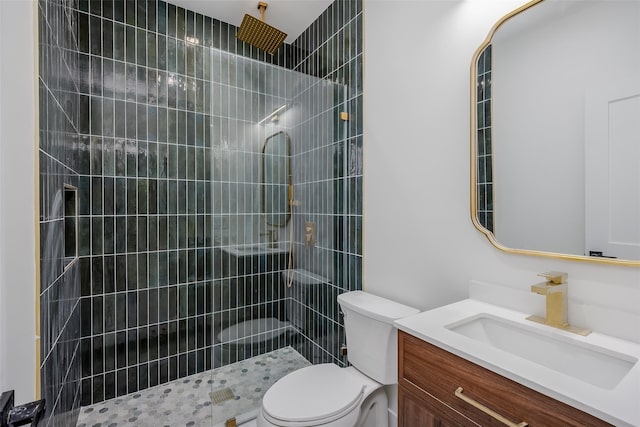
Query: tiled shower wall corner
x,y
166,154
327,172
484,151
58,154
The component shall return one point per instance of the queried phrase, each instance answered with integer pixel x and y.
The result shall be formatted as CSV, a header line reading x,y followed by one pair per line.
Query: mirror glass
x,y
275,179
556,131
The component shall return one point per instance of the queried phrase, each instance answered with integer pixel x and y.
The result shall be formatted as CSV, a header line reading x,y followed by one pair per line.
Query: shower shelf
x,y
256,249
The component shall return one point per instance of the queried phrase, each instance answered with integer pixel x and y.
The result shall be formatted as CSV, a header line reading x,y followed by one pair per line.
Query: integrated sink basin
x,y
594,365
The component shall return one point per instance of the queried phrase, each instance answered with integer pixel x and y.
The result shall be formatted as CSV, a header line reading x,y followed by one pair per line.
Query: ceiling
x,y
290,16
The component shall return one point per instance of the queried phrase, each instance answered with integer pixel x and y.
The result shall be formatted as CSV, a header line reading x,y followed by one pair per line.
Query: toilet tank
x,y
371,337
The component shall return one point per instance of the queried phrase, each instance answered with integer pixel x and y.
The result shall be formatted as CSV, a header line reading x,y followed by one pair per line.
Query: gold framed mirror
x,y
555,140
276,177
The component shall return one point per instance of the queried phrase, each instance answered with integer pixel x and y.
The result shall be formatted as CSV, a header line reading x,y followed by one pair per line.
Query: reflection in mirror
x,y
276,173
555,131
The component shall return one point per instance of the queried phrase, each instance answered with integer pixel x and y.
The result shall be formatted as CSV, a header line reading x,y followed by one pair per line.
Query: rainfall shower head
x,y
260,34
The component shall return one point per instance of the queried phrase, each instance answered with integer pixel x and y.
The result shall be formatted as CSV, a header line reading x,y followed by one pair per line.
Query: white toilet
x,y
327,395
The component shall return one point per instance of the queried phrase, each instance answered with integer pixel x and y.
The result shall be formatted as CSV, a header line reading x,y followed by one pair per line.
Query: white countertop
x,y
619,406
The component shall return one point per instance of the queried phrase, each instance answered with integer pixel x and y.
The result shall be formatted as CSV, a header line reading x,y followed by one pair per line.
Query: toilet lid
x,y
313,393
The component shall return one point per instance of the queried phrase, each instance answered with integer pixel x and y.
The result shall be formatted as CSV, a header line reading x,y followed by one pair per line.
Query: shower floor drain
x,y
221,395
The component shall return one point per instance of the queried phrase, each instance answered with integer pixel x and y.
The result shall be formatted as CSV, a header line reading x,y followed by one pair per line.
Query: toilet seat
x,y
313,395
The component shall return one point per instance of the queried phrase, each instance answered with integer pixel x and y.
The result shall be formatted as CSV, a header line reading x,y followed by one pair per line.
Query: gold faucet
x,y
555,289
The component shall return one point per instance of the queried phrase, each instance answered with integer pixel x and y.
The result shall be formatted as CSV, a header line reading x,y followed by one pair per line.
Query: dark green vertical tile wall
x,y
144,71
143,136
247,288
60,158
139,142
327,170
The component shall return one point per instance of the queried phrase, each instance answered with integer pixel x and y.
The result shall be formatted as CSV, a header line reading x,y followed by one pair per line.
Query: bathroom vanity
x,y
438,388
473,363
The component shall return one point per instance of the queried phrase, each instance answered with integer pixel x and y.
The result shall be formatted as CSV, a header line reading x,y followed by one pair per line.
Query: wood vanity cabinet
x,y
429,376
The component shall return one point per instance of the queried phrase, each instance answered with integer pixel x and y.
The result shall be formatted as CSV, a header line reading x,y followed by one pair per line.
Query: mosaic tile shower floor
x,y
187,401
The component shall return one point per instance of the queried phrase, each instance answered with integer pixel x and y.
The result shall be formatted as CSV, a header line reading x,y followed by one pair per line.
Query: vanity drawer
x,y
441,373
419,409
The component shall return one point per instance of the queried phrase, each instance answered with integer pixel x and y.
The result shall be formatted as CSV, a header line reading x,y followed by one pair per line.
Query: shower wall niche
x,y
152,112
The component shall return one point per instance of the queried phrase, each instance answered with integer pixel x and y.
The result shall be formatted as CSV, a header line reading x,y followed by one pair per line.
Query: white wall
x,y
18,130
420,247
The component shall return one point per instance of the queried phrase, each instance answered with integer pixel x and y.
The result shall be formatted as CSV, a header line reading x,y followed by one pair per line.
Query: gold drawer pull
x,y
486,410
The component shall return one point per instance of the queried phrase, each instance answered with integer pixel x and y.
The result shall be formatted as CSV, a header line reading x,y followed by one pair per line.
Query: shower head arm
x,y
262,6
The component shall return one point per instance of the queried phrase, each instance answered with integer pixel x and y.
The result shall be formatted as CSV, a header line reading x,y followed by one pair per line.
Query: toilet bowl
x,y
331,396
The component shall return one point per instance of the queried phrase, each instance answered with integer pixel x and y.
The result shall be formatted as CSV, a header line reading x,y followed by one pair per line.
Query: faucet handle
x,y
555,277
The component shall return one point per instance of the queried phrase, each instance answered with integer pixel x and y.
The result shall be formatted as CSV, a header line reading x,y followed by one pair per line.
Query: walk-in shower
x,y
156,115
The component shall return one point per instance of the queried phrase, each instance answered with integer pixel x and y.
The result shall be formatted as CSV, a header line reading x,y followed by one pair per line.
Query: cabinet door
x,y
421,410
